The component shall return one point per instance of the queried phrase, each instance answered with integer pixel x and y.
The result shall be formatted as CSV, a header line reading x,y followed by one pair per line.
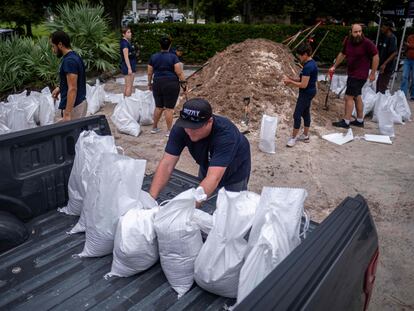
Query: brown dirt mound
x,y
254,68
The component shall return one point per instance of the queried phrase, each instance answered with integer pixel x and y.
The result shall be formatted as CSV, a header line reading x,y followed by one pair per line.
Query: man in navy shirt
x,y
215,143
72,87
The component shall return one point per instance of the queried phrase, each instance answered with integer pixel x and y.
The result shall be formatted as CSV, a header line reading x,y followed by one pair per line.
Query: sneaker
x,y
155,130
291,142
303,137
167,134
356,123
341,123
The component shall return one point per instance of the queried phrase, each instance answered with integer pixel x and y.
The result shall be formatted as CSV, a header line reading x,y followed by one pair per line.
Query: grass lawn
x,y
37,30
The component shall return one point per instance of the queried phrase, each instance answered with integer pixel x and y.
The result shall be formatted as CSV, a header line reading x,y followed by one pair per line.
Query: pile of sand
x,y
255,69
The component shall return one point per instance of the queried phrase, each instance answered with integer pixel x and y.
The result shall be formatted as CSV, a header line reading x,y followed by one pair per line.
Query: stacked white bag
x,y
88,150
134,111
268,128
179,240
95,96
218,264
126,115
395,104
113,190
136,247
275,233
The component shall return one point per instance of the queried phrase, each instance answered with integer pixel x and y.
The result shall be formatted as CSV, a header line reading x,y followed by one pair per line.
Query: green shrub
x,y
203,41
14,71
90,35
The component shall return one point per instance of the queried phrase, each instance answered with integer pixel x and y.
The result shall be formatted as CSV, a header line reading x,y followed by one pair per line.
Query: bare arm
x,y
150,73
339,59
300,84
163,174
179,71
374,67
72,80
126,58
390,58
213,178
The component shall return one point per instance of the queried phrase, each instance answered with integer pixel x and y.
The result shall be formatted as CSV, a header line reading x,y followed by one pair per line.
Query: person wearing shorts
x,y
361,54
128,60
164,77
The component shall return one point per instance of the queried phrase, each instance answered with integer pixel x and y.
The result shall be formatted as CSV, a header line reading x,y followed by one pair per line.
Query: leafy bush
x,y
24,61
203,41
13,70
90,35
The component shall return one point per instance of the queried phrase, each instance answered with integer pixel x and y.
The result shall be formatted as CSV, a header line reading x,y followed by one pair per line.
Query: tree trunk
x,y
247,12
114,10
195,14
29,32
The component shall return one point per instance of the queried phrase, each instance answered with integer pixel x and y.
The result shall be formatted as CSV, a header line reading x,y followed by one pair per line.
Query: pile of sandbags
x,y
23,111
134,111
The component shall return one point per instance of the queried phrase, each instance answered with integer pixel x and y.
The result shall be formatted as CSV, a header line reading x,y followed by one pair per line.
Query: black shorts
x,y
354,86
166,93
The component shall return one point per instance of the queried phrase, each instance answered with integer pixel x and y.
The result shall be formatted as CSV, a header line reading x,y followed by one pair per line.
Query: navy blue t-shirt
x,y
163,65
131,54
72,63
225,147
310,69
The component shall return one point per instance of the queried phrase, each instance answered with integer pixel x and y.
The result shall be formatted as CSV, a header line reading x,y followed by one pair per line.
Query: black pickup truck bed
x,y
326,272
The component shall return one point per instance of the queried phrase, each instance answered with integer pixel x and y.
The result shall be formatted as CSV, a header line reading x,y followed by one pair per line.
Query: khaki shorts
x,y
77,112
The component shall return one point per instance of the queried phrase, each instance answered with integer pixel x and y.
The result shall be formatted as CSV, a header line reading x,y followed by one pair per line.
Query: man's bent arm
x,y
339,59
163,174
213,178
72,80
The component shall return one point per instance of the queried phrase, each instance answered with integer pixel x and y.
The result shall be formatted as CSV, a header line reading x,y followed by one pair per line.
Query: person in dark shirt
x,y
307,91
128,60
72,86
215,143
361,53
387,50
164,77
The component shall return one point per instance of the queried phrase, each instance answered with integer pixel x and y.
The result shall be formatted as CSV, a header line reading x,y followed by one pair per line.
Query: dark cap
x,y
195,113
389,24
180,48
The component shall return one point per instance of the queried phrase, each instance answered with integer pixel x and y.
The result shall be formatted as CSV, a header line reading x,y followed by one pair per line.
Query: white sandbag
x,y
95,96
401,106
386,122
386,102
339,138
135,247
146,104
88,150
268,128
125,117
179,240
203,220
288,204
112,192
271,248
46,107
217,267
17,97
114,98
275,233
4,129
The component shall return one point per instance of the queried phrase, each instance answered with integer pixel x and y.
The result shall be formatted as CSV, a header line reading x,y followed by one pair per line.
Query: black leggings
x,y
302,110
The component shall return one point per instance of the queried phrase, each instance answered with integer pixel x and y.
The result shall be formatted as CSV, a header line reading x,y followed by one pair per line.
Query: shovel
x,y
326,107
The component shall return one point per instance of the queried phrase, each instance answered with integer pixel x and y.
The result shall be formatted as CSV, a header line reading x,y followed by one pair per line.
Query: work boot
x,y
356,123
341,123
